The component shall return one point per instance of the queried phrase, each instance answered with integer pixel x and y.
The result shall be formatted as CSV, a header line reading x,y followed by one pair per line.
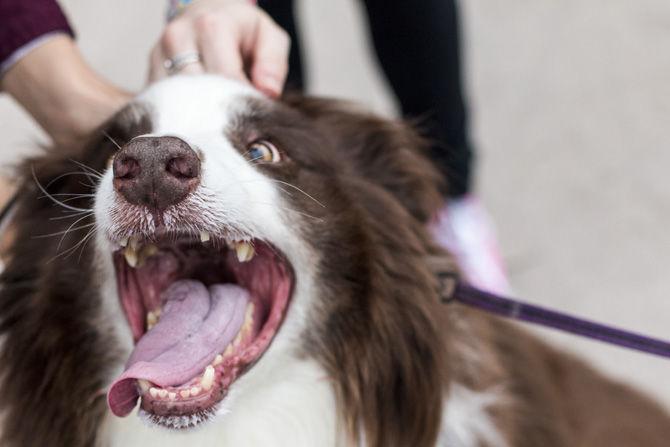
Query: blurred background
x,y
570,111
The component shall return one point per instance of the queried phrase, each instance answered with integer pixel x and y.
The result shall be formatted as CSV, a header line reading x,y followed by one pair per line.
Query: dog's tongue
x,y
195,325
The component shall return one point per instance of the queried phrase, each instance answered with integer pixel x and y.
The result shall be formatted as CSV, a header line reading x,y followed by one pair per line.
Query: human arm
x,y
43,70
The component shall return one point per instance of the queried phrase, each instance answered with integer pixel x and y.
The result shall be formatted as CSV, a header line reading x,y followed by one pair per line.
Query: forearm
x,y
56,86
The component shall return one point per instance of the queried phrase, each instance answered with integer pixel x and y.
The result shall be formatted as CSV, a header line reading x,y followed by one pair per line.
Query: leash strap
x,y
453,290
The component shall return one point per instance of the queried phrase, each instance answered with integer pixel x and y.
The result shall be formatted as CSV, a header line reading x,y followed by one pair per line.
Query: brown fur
x,y
390,347
56,350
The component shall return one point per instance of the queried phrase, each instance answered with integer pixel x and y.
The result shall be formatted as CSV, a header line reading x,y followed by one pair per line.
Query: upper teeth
x,y
131,256
245,251
152,318
136,253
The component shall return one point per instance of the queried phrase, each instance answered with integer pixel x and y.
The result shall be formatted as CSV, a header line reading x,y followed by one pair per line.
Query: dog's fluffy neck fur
x,y
367,354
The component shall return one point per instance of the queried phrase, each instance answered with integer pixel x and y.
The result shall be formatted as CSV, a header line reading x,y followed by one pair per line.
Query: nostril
x,y
156,172
126,168
182,167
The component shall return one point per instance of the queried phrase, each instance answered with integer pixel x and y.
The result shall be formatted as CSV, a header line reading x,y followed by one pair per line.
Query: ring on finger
x,y
177,63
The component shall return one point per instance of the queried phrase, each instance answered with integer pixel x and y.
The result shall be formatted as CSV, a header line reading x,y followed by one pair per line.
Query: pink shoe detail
x,y
465,229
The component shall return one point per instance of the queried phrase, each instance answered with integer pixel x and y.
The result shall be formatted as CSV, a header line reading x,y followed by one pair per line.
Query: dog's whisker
x,y
52,198
68,195
93,171
277,181
111,139
286,208
87,238
299,190
59,233
92,228
72,228
87,174
71,216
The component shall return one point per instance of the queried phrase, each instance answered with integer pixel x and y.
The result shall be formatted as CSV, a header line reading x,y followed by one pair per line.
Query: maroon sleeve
x,y
21,21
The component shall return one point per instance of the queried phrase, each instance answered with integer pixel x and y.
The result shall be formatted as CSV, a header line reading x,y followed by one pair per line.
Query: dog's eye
x,y
263,152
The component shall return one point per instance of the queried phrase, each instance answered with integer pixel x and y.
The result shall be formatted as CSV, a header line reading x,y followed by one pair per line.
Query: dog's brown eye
x,y
263,152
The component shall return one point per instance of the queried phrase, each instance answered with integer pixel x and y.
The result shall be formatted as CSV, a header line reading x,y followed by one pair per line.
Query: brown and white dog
x,y
260,273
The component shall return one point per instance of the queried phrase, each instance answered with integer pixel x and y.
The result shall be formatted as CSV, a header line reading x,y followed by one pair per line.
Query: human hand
x,y
234,38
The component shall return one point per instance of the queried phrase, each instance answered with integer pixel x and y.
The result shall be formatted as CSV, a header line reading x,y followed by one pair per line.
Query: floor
x,y
570,104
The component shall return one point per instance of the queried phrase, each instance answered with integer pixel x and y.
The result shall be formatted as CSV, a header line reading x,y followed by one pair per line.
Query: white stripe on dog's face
x,y
232,192
233,197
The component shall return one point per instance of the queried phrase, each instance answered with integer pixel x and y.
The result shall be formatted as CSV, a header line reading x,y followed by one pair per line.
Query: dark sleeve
x,y
22,21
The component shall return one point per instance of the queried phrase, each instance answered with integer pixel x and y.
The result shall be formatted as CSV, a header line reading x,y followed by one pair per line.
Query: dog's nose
x,y
156,172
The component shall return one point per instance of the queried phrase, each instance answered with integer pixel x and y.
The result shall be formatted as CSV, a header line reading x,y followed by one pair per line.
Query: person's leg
x,y
418,46
282,12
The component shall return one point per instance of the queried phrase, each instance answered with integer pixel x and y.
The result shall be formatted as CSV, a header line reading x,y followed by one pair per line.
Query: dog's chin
x,y
202,311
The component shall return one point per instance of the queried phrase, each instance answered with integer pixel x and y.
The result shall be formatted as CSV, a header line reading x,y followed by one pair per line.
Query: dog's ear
x,y
387,152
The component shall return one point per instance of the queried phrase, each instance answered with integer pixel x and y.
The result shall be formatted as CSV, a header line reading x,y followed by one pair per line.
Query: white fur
x,y
285,405
466,421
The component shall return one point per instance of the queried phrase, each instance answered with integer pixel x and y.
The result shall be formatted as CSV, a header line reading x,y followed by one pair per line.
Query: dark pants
x,y
418,47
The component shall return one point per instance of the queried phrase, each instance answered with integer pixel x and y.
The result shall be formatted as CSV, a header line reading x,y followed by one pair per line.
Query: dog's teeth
x,y
208,378
238,339
134,242
152,319
245,251
131,256
123,242
248,317
229,350
163,393
185,394
154,392
172,396
195,391
217,360
144,385
204,236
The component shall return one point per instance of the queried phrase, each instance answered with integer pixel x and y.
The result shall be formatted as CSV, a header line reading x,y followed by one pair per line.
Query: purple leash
x,y
452,290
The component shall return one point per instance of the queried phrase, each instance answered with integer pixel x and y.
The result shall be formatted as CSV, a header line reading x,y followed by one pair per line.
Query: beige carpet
x,y
571,113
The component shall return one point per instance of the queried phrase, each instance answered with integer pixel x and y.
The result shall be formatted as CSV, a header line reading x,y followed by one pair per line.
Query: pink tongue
x,y
195,325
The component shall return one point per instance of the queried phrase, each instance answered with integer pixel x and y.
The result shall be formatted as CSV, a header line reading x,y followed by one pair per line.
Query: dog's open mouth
x,y
201,311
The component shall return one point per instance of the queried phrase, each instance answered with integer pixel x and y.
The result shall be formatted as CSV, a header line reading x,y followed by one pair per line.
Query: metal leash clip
x,y
447,284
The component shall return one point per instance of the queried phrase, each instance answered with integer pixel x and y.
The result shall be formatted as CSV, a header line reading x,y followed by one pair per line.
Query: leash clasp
x,y
446,289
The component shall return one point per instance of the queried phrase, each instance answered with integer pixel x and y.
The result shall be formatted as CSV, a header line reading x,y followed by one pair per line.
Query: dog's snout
x,y
156,172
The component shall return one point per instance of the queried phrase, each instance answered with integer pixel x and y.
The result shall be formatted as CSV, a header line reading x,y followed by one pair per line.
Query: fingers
x,y
178,39
156,68
219,40
270,57
234,39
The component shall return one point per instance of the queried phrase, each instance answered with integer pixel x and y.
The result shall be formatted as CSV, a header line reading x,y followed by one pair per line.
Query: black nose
x,y
156,172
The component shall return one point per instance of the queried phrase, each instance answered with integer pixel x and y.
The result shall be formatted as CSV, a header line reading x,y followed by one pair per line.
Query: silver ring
x,y
177,63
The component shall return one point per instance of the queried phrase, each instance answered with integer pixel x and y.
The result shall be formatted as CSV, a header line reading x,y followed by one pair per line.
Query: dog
x,y
216,268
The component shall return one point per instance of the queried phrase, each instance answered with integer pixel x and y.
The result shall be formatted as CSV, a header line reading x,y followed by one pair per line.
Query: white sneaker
x,y
465,229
